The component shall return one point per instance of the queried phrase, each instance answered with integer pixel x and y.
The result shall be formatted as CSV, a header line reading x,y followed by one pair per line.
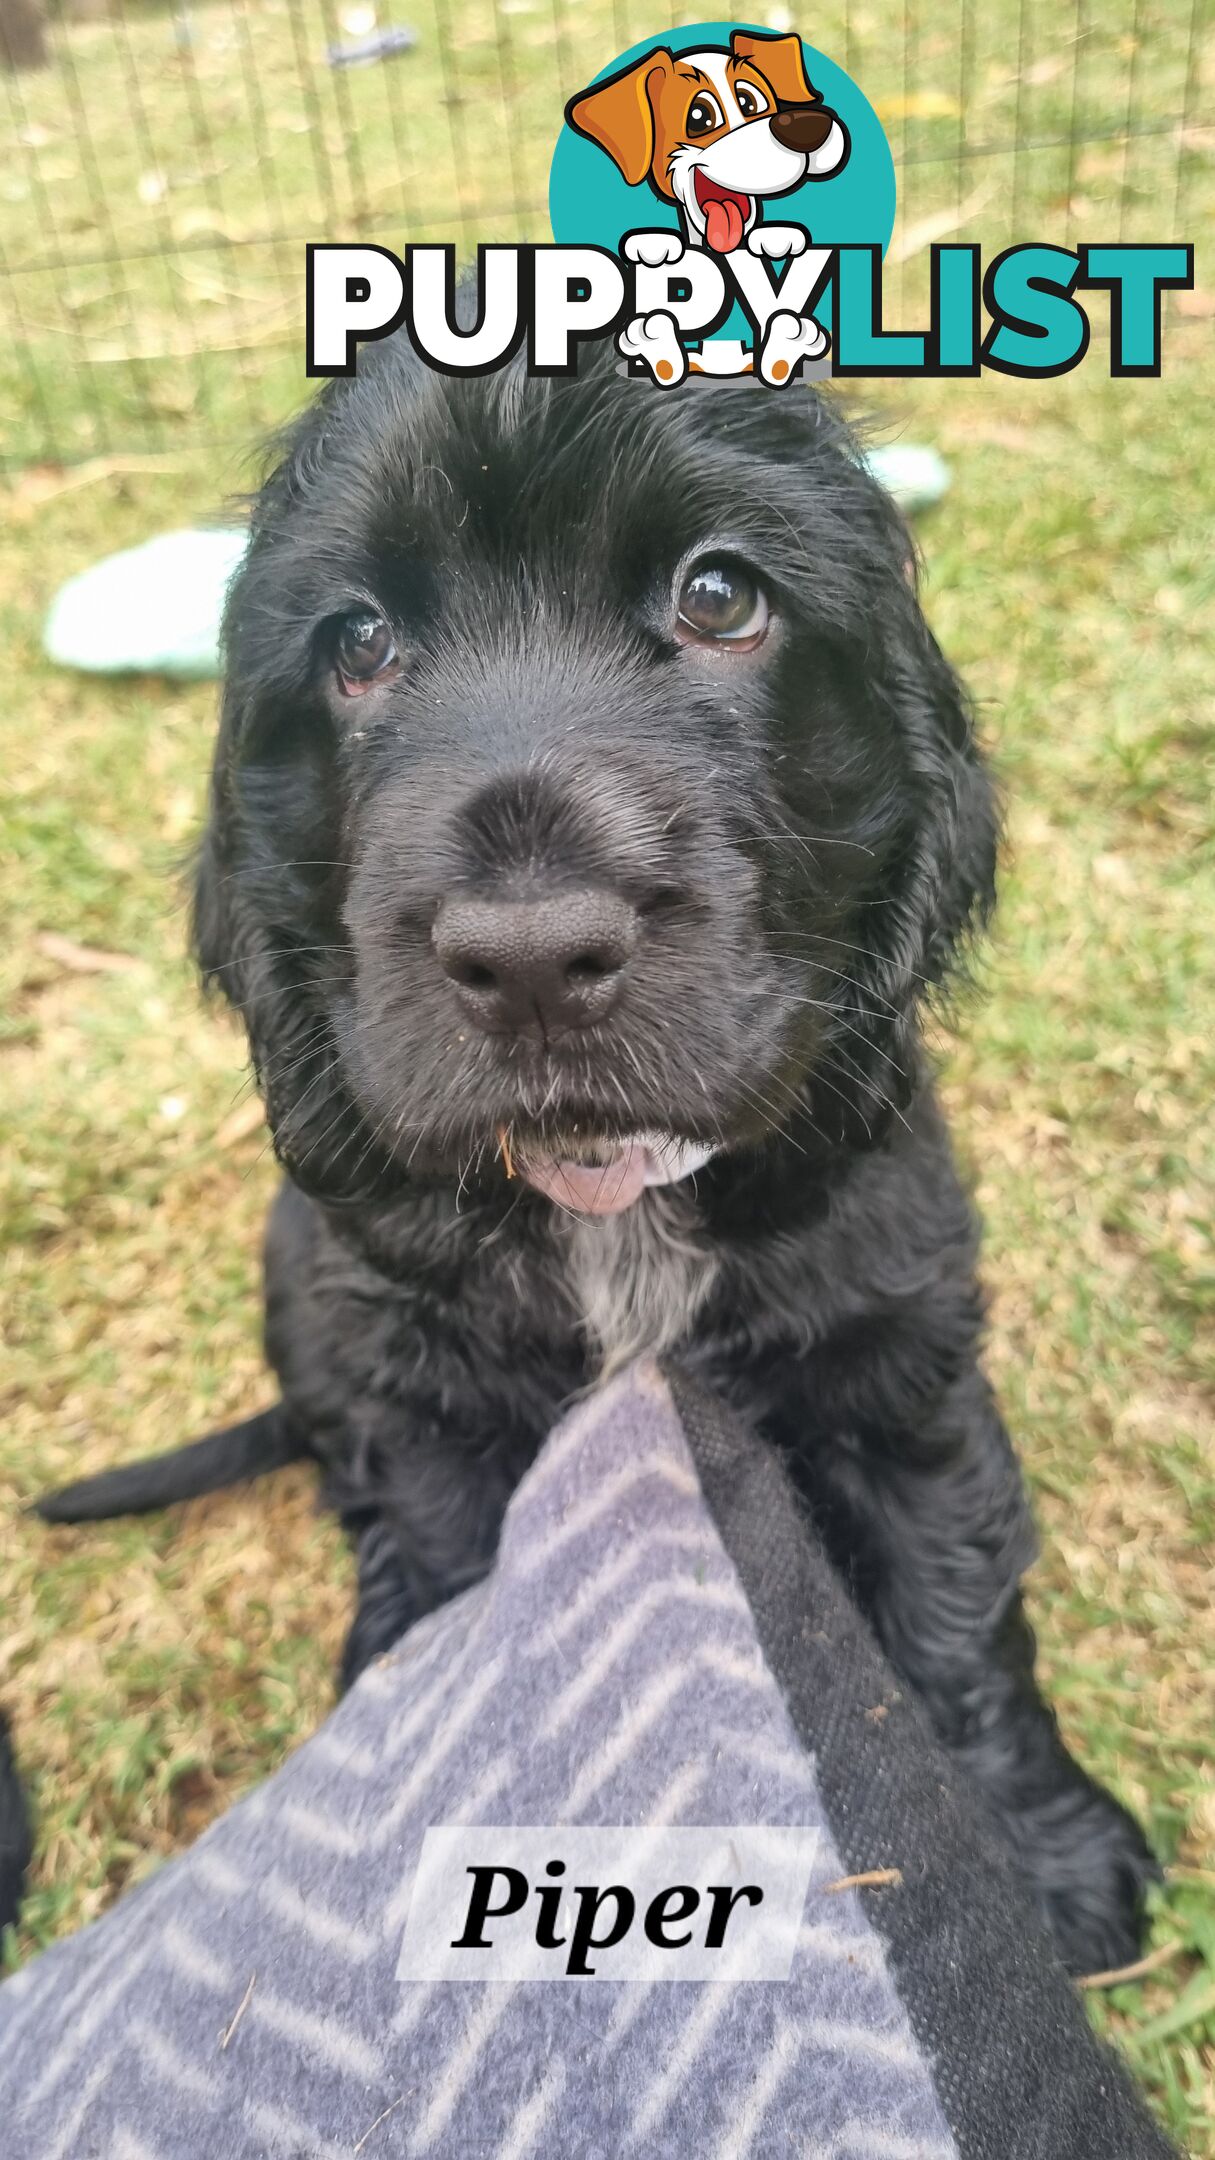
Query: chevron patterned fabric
x,y
246,2002
606,1672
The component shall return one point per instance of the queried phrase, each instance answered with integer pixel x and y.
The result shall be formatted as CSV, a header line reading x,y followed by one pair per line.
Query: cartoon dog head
x,y
715,131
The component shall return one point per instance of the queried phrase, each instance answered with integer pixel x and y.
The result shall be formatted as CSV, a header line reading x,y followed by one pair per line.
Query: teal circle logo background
x,y
591,203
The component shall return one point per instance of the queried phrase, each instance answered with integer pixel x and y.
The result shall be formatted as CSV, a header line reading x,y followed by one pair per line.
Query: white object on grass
x,y
154,609
913,473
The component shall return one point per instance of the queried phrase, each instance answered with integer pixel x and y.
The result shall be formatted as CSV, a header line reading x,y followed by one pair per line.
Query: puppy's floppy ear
x,y
932,826
619,114
780,60
964,835
211,928
944,893
238,932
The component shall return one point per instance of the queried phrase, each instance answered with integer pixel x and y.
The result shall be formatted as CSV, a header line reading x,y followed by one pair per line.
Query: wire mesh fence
x,y
162,169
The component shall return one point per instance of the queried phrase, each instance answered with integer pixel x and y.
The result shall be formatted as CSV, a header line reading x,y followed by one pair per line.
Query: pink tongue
x,y
592,1188
723,225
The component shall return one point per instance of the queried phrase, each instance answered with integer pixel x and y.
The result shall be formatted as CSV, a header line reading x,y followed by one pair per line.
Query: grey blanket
x,y
620,1666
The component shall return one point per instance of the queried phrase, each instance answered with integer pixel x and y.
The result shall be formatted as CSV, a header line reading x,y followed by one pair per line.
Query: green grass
x,y
1067,576
154,1670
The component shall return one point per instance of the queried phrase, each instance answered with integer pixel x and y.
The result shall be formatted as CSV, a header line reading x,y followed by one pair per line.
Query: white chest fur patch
x,y
638,1279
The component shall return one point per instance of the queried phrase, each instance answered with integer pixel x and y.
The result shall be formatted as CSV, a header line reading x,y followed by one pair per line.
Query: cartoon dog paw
x,y
653,248
654,339
790,339
776,241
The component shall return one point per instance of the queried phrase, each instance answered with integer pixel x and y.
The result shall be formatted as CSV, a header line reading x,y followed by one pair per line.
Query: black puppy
x,y
592,808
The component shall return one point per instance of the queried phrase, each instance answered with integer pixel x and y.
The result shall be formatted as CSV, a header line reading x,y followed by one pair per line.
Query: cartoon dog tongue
x,y
723,223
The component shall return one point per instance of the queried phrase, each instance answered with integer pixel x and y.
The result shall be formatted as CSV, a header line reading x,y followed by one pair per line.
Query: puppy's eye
x,y
750,102
364,651
704,114
722,604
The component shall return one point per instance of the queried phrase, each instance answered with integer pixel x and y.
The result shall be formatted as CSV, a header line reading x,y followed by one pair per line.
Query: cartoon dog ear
x,y
619,114
780,60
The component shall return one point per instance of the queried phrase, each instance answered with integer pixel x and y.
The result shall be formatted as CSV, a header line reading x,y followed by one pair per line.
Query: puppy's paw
x,y
653,248
386,1608
1090,1864
790,339
776,241
655,340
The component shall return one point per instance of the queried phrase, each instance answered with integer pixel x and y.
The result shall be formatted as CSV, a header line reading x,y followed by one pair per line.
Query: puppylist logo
x,y
721,199
731,140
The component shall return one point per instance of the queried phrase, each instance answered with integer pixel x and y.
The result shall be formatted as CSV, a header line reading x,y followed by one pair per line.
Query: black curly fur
x,y
808,832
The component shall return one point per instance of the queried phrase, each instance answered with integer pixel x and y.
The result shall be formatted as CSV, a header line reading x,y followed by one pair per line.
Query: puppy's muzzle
x,y
537,967
803,128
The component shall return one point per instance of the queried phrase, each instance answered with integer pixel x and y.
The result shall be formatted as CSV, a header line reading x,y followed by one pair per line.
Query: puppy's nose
x,y
802,127
537,966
